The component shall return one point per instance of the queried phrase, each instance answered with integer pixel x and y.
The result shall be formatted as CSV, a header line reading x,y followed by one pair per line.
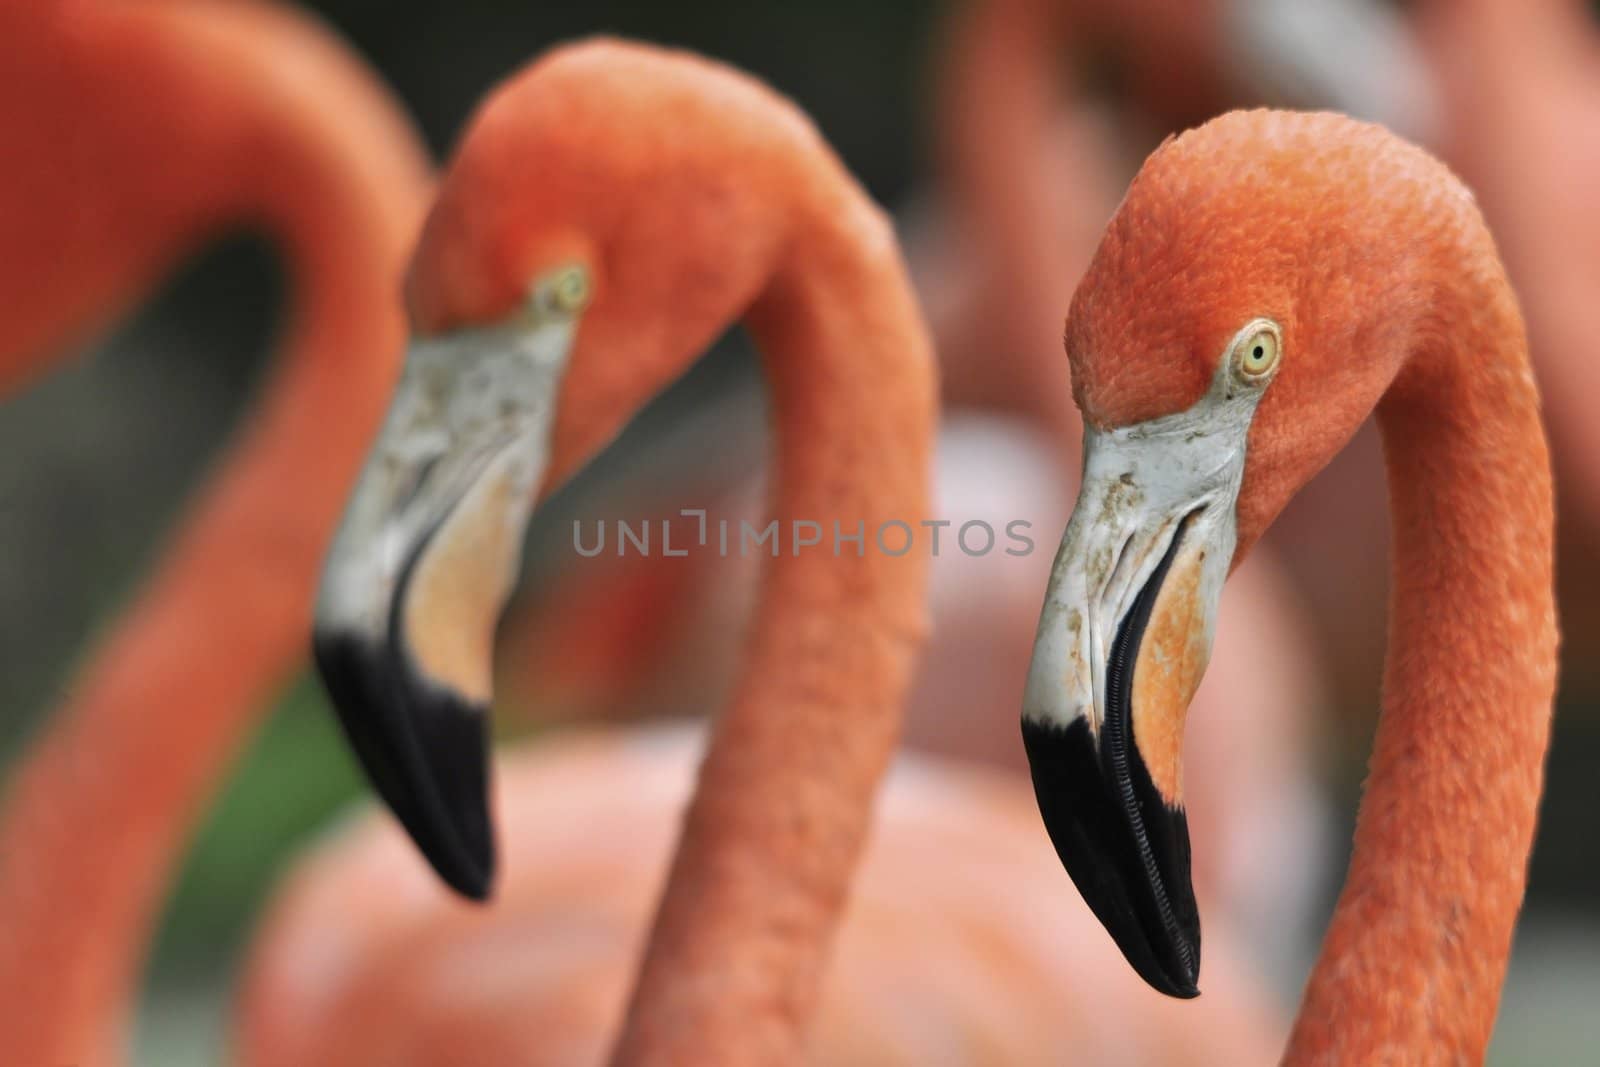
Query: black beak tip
x,y
1182,983
473,881
425,750
1133,872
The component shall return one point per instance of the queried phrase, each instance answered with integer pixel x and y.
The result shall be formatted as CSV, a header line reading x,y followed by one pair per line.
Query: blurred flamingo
x,y
1519,86
1269,281
549,312
1521,89
927,968
135,133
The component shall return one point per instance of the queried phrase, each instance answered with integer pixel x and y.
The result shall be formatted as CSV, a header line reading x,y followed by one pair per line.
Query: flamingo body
x,y
927,969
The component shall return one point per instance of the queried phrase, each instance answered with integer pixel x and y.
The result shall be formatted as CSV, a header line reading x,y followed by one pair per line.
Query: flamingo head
x,y
610,210
1255,295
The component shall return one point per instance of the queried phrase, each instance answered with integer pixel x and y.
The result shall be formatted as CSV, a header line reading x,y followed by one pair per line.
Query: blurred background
x,y
98,456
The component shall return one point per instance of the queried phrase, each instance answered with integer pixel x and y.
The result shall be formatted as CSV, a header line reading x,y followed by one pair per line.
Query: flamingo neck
x,y
785,795
1000,110
1415,957
96,816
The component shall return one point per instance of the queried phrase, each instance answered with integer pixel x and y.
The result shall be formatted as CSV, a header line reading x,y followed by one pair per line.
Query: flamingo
x,y
1270,280
135,132
1519,86
1027,181
548,310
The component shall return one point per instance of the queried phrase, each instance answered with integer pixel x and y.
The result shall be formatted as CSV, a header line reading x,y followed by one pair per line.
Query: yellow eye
x,y
569,290
1258,352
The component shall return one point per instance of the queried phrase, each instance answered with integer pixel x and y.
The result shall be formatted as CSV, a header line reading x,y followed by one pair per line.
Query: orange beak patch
x,y
1172,660
455,594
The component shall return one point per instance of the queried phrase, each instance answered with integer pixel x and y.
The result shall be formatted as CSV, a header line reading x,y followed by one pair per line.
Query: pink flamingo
x,y
1519,86
136,132
1269,280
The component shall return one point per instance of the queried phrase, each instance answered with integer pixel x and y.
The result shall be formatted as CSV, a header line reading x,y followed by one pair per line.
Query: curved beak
x,y
1123,639
420,569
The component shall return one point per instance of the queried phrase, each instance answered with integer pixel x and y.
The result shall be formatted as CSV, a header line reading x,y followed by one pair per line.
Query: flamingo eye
x,y
1258,349
569,290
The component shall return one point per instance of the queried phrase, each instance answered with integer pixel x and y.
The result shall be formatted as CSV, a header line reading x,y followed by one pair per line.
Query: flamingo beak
x,y
420,569
1123,639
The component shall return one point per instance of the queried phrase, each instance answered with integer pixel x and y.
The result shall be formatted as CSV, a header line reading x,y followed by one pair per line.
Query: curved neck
x,y
1414,960
96,816
1005,155
1491,57
785,795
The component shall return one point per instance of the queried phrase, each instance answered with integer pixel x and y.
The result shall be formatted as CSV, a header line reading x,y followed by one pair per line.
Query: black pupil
x,y
1256,352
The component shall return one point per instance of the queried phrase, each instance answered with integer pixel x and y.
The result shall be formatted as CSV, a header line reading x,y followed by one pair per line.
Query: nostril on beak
x,y
1114,575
